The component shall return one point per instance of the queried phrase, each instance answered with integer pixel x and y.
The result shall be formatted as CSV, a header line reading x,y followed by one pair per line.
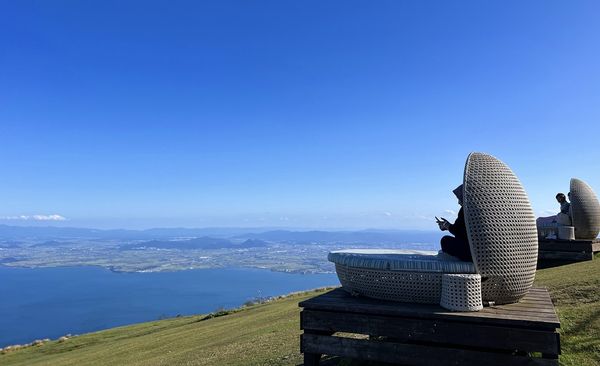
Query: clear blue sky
x,y
324,114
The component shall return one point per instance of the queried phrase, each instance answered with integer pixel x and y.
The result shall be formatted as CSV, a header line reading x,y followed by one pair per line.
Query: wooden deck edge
x,y
560,255
334,302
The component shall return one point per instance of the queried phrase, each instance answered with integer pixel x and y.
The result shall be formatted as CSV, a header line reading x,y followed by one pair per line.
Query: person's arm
x,y
459,229
453,228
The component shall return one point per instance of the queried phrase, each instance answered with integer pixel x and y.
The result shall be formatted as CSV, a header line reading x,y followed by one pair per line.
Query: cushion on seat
x,y
401,260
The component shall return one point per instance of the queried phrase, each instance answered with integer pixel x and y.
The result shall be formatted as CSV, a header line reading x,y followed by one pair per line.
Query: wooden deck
x,y
567,250
415,334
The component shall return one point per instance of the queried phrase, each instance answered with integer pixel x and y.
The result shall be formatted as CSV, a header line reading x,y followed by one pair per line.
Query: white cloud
x,y
388,214
450,212
54,217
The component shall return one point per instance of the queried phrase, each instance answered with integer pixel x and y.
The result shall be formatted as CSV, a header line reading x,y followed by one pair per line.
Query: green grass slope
x,y
268,334
575,291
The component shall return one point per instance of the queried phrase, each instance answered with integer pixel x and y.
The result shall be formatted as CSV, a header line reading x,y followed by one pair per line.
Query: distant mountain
x,y
166,235
254,243
52,243
47,232
347,237
10,244
197,243
10,260
8,232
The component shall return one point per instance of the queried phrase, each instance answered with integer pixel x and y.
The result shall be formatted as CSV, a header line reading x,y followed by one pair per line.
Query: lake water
x,y
51,302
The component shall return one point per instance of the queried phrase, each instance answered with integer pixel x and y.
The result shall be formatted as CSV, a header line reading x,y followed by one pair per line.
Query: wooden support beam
x,y
417,334
566,256
455,333
413,354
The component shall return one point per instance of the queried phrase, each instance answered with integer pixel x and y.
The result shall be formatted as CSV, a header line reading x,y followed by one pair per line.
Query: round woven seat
x,y
396,275
566,233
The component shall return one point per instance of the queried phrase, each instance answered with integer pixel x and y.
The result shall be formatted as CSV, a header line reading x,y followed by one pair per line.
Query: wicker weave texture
x,y
403,286
501,229
461,292
585,210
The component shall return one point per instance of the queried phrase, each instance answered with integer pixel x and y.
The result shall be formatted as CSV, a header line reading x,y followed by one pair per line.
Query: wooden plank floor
x,y
534,311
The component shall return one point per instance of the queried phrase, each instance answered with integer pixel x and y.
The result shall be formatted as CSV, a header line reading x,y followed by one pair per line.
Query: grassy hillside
x,y
575,291
268,334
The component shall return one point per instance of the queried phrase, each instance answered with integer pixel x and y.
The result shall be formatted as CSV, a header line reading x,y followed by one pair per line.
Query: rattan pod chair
x,y
501,229
585,210
502,236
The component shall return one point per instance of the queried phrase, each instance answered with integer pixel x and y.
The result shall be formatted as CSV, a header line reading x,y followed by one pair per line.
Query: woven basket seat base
x,y
461,292
402,286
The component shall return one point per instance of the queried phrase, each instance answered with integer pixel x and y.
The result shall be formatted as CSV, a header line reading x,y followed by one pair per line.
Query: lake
x,y
51,302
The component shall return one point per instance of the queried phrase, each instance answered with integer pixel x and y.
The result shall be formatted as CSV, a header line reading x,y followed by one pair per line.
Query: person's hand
x,y
444,224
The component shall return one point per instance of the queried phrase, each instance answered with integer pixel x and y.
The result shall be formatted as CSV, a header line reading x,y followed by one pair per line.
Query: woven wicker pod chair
x,y
585,210
502,235
501,229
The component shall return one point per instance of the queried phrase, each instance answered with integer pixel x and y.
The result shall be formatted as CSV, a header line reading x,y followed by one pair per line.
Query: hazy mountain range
x,y
212,237
197,243
8,232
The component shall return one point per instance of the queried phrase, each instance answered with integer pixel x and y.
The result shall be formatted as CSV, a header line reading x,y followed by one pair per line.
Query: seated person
x,y
457,245
562,218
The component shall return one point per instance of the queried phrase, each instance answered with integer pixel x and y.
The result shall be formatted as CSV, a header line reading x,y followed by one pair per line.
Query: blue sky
x,y
312,114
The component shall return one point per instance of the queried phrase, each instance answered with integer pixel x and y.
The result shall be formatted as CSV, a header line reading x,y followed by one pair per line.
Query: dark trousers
x,y
457,247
